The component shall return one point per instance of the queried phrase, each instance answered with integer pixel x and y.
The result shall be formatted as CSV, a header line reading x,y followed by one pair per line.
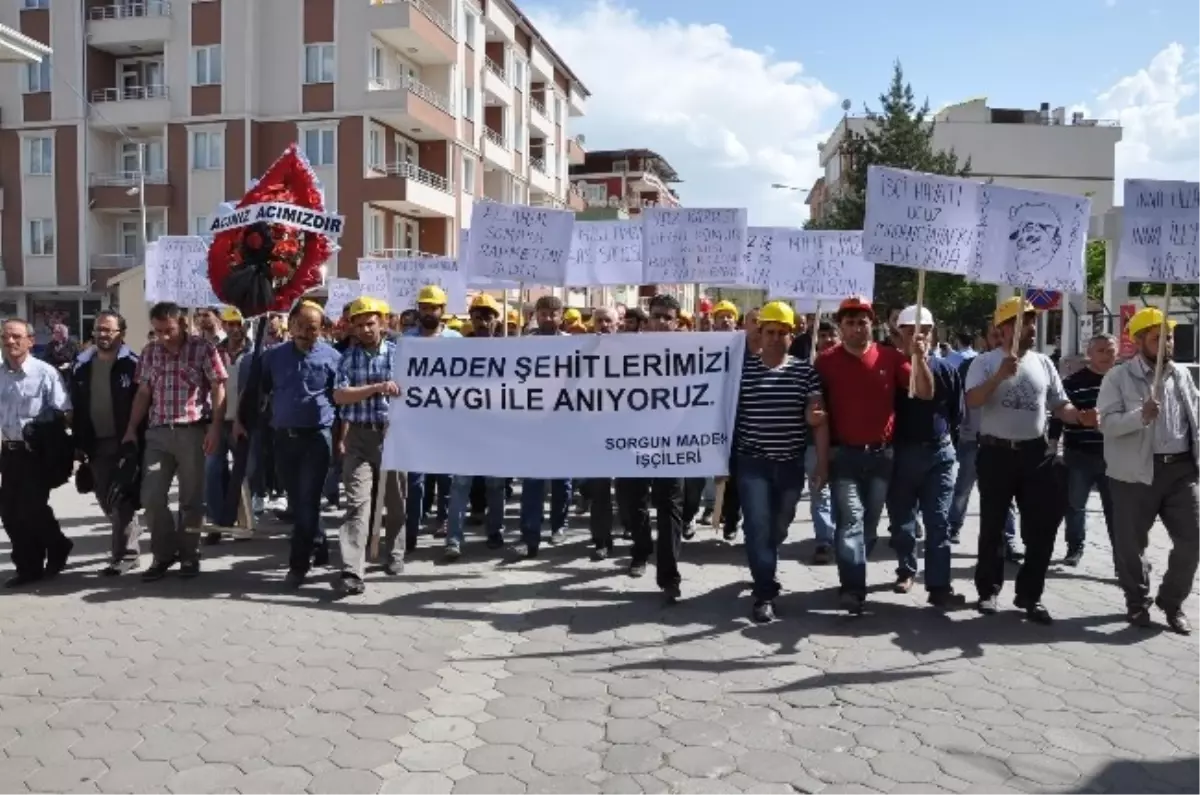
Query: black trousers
x,y
478,496
731,504
29,521
665,495
599,493
693,492
1036,478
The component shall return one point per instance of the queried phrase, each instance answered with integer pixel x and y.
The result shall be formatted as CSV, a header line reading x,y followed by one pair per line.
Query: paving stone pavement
x,y
562,675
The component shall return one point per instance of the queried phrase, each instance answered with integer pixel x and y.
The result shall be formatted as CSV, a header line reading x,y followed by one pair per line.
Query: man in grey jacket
x,y
1150,451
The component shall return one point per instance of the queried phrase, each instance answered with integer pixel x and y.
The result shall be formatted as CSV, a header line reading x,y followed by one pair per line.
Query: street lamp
x,y
781,186
139,190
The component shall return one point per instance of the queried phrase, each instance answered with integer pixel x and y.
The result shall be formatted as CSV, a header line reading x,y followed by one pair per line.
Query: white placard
x,y
605,253
820,264
398,281
590,405
1031,239
693,246
759,259
341,293
177,270
920,220
519,243
1160,231
473,281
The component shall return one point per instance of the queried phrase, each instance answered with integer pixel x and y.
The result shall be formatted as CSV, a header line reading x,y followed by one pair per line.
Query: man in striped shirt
x,y
1083,446
780,397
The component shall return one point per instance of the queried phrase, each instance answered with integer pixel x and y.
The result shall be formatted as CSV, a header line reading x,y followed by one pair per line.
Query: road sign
x,y
1043,299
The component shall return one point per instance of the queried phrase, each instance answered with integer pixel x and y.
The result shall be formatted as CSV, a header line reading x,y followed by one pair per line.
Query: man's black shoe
x,y
57,561
1074,556
157,571
20,580
763,612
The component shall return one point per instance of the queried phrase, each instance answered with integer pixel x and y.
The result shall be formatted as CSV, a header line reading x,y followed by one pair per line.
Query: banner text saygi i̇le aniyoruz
x,y
611,405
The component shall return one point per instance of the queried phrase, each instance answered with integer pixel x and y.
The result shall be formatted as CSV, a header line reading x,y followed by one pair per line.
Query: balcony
x,y
575,153
495,84
113,262
414,28
409,189
119,191
118,109
539,119
539,178
412,107
129,28
576,103
496,153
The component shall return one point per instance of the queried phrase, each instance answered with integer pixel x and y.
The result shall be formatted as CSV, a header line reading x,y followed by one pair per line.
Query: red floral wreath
x,y
266,267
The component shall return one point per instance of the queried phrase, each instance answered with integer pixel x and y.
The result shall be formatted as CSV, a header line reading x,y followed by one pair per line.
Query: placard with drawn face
x,y
1031,239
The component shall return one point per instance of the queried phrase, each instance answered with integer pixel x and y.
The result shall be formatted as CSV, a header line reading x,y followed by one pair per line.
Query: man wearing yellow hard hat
x,y
1015,393
485,313
365,384
431,311
725,316
1151,457
780,398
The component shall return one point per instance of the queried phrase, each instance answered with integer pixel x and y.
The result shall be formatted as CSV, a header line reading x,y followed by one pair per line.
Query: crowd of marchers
x,y
867,416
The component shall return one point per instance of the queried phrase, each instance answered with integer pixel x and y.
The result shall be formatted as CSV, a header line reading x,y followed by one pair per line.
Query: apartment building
x,y
1039,149
409,110
625,179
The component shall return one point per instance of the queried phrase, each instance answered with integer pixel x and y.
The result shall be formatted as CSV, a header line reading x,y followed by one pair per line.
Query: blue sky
x,y
1066,52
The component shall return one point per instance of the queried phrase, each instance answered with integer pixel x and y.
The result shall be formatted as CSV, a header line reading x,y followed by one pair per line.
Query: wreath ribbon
x,y
303,218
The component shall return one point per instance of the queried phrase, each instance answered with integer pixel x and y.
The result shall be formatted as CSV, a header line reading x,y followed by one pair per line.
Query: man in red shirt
x,y
861,380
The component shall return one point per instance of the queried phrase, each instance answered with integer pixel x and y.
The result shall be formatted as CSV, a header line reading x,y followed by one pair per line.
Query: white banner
x,y
657,405
821,264
1031,239
682,246
341,293
920,220
177,271
330,224
474,280
519,242
605,254
1160,232
398,281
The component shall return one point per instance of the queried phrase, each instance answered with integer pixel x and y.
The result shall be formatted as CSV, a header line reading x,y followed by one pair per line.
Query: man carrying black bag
x,y
102,391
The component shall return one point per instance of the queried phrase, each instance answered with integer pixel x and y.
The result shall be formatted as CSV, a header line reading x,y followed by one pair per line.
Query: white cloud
x,y
1160,137
730,120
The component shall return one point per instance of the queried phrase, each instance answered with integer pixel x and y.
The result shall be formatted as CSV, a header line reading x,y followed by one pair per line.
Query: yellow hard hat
x,y
1145,319
312,305
230,314
514,317
726,307
454,323
368,306
777,312
1010,309
432,294
685,315
484,301
572,316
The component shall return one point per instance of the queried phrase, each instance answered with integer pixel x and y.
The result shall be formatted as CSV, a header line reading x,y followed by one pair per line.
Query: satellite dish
x,y
845,105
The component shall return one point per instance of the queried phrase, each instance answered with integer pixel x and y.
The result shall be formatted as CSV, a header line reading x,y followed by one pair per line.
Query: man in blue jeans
x,y
820,504
925,468
548,312
861,380
1083,447
232,349
299,377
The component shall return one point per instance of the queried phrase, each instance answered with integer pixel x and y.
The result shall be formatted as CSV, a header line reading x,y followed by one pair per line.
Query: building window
x,y
558,114
375,232
518,74
519,136
468,102
319,63
41,237
376,71
407,152
206,65
208,149
469,30
468,172
37,76
518,193
39,156
375,148
201,225
319,145
129,239
595,194
36,4
406,234
153,154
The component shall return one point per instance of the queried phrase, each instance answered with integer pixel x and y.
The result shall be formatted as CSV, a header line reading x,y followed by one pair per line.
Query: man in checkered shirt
x,y
364,385
181,387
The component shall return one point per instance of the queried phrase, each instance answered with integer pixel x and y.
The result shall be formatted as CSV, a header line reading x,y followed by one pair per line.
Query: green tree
x,y
900,135
1093,267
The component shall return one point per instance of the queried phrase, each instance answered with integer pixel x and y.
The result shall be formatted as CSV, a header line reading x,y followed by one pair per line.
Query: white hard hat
x,y
908,317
